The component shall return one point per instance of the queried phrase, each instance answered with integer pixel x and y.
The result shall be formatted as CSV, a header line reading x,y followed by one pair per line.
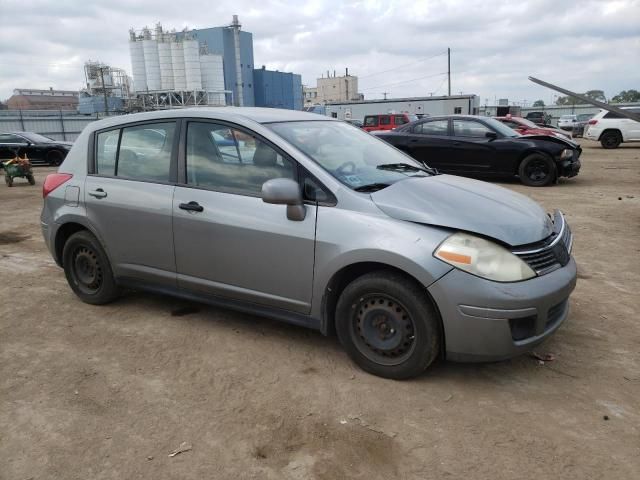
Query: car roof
x,y
259,115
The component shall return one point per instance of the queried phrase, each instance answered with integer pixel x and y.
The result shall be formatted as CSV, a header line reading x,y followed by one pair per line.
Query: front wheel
x,y
8,180
387,325
537,170
31,180
610,140
87,269
54,158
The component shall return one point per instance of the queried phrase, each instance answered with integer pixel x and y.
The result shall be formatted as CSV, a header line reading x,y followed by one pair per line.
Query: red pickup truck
x,y
387,121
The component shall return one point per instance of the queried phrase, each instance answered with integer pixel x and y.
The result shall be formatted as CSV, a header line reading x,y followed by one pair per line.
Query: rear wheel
x,y
387,325
54,158
610,139
87,269
537,170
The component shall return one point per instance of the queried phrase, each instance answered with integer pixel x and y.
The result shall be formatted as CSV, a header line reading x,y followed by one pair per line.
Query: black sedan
x,y
38,148
482,146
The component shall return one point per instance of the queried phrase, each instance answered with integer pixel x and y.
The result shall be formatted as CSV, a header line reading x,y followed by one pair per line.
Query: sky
x,y
393,46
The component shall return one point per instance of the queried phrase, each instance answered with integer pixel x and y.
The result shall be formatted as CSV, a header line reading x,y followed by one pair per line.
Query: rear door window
x,y
145,152
139,152
385,120
433,127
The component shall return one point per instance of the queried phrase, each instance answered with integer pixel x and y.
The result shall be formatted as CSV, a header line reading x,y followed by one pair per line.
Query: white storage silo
x,y
192,64
177,61
151,63
137,64
166,66
213,77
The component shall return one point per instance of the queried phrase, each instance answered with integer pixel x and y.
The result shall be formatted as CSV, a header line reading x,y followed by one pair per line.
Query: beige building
x,y
332,89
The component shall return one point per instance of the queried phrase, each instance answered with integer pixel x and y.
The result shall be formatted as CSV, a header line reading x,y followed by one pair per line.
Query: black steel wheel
x,y
87,269
388,325
382,329
537,170
611,139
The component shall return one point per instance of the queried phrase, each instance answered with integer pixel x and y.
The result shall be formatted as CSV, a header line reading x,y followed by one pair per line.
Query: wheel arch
x,y
349,273
528,152
609,130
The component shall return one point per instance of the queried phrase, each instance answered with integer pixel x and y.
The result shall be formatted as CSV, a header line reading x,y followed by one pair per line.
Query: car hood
x,y
552,138
465,204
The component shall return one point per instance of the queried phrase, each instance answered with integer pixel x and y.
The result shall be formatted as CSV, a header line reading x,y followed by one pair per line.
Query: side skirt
x,y
216,301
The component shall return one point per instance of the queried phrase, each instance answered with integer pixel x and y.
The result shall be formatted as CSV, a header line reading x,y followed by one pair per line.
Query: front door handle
x,y
191,207
98,193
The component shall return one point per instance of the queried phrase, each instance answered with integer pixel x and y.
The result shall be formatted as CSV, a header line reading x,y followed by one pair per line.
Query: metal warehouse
x,y
445,105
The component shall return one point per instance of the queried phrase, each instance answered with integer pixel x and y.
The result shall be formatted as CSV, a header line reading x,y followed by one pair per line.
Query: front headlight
x,y
566,153
482,258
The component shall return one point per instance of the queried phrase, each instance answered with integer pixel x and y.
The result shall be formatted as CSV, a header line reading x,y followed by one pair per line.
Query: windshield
x,y
36,137
354,157
500,127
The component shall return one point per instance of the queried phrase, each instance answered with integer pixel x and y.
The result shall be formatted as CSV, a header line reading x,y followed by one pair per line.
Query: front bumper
x,y
490,321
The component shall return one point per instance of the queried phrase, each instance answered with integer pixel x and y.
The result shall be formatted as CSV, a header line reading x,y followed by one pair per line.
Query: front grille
x,y
553,252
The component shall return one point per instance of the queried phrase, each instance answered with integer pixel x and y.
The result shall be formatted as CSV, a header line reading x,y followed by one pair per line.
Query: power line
x,y
401,66
404,81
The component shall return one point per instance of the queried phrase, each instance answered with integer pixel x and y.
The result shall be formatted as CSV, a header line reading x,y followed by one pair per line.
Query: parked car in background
x,y
387,121
580,125
355,122
527,127
482,146
612,129
38,148
565,122
539,118
315,223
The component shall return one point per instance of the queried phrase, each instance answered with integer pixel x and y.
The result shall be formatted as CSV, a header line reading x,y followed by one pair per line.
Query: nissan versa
x,y
314,222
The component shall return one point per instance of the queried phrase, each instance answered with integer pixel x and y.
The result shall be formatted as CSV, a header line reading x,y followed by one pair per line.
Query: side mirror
x,y
491,135
283,191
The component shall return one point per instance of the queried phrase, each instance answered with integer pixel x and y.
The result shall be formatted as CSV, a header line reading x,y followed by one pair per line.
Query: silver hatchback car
x,y
314,222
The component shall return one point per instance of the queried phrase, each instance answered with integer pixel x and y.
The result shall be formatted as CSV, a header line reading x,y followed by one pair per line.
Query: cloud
x,y
495,44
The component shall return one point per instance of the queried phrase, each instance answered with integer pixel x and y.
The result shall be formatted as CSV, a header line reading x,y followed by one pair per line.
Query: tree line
x,y
625,96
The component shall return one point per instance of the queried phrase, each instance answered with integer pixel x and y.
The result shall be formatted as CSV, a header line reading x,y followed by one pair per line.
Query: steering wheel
x,y
341,170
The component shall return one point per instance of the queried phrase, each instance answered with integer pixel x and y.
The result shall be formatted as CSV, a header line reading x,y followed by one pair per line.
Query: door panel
x,y
134,221
472,152
429,142
242,248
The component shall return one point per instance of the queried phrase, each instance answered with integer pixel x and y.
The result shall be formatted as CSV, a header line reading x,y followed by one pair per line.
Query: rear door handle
x,y
191,207
414,140
98,193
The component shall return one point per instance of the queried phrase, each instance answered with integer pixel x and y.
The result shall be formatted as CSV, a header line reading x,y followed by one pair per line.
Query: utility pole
x,y
449,69
385,94
104,92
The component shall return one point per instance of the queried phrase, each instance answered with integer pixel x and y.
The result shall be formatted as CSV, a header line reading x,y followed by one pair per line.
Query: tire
x,y
8,180
54,157
388,325
537,170
87,269
31,180
611,139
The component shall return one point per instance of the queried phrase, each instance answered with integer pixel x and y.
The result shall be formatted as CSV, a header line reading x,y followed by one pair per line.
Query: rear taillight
x,y
593,122
53,181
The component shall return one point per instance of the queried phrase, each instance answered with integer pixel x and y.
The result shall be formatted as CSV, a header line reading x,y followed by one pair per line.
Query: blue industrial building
x,y
220,40
277,89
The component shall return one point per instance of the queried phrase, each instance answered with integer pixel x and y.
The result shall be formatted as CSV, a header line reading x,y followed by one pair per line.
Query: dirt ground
x,y
108,392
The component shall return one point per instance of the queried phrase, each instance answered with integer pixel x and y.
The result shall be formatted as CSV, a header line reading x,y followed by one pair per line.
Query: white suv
x,y
612,129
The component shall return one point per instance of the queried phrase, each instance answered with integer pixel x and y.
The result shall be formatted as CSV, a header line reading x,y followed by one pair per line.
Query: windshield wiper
x,y
371,187
404,167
